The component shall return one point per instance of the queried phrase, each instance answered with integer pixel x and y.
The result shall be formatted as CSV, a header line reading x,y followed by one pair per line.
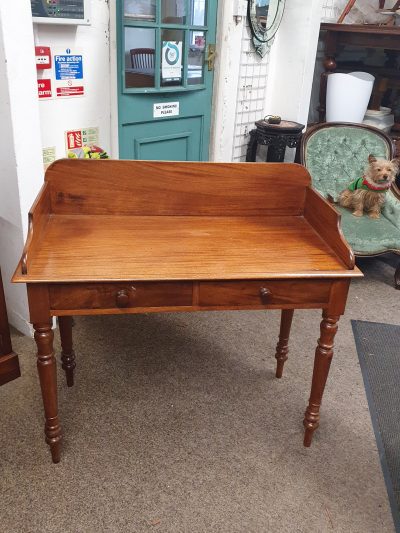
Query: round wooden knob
x,y
122,298
265,293
330,63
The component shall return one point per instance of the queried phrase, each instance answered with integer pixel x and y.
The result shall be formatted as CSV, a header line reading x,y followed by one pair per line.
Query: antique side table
x,y
112,237
276,137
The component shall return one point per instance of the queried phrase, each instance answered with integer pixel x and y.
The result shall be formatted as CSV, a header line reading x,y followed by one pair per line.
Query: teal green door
x,y
165,78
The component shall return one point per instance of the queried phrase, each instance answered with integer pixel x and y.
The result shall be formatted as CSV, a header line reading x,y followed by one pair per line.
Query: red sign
x,y
74,139
44,88
70,91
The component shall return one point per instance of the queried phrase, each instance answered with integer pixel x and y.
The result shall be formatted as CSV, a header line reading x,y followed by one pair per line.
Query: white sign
x,y
166,109
171,65
49,155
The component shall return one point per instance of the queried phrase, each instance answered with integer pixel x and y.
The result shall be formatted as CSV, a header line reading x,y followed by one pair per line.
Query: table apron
x,y
165,296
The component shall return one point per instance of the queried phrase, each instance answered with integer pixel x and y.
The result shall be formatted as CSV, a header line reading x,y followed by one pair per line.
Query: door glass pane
x,y
198,12
197,46
139,57
140,9
171,57
173,11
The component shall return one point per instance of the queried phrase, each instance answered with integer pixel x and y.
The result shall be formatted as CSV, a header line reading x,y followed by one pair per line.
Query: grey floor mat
x,y
378,348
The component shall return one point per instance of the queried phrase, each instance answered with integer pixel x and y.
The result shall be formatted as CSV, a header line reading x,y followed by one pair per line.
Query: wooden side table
x,y
276,136
9,365
117,237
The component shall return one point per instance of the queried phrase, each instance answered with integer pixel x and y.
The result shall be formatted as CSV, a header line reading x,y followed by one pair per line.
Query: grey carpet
x,y
177,424
378,348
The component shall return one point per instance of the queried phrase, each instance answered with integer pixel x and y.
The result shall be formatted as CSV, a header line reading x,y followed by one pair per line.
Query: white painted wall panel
x,y
21,161
93,109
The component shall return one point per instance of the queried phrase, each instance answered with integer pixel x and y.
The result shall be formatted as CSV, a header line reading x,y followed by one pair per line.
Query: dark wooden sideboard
x,y
9,364
337,36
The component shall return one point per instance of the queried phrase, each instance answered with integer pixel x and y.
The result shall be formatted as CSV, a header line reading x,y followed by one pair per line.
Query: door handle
x,y
211,56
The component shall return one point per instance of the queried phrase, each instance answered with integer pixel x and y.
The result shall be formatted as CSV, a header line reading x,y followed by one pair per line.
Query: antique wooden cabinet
x,y
9,364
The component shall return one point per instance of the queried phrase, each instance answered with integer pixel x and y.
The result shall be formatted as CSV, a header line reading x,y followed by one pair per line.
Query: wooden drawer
x,y
264,293
120,295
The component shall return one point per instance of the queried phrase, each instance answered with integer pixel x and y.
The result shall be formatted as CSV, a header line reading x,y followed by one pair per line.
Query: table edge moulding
x,y
113,237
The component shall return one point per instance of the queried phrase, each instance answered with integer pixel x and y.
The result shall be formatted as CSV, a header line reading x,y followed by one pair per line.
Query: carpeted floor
x,y
177,424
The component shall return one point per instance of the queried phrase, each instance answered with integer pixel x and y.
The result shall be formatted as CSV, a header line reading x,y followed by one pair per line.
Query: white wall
x,y
226,78
292,60
8,185
28,125
11,235
283,78
93,109
20,155
251,92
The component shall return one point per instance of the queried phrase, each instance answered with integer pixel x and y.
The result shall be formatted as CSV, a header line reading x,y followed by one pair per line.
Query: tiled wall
x,y
251,93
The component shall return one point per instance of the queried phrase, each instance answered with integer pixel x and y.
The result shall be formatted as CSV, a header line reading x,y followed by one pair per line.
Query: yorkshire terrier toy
x,y
368,192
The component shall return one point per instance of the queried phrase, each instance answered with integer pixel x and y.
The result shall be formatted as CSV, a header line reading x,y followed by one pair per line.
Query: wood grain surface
x,y
176,188
107,295
108,248
323,220
38,217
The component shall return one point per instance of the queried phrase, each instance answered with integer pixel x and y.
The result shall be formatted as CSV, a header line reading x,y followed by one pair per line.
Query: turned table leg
x,y
322,363
46,364
67,352
282,348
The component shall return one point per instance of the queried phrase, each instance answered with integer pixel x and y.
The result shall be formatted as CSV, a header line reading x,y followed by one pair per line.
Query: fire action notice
x,y
68,69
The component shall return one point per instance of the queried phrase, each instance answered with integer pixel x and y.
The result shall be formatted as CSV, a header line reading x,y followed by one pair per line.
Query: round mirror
x,y
264,17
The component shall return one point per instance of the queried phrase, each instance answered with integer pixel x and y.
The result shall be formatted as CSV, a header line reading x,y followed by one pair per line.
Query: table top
x,y
283,126
133,220
106,248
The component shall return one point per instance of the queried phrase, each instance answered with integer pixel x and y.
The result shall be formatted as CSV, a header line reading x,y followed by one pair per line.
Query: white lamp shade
x,y
347,96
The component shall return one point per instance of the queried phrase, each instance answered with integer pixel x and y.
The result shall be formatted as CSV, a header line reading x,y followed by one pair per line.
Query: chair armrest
x,y
324,218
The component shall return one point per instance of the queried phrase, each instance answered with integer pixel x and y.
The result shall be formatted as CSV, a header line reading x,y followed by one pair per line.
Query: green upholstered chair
x,y
336,154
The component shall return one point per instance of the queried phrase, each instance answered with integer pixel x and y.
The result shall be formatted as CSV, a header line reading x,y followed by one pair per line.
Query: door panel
x,y
170,140
162,49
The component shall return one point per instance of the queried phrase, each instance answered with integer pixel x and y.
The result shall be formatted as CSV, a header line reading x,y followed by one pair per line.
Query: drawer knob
x,y
122,298
265,294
